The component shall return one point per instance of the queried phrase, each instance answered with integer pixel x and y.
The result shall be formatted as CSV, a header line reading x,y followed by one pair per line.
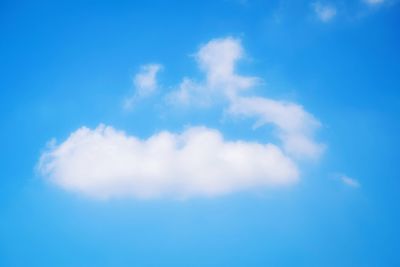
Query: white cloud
x,y
295,126
145,83
104,163
324,12
218,59
350,181
374,2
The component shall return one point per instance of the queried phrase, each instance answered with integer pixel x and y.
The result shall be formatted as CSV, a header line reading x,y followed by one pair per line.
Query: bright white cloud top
x,y
107,163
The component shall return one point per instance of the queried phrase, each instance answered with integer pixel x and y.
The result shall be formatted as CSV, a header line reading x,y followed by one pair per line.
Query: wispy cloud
x,y
295,127
324,12
218,59
350,181
145,83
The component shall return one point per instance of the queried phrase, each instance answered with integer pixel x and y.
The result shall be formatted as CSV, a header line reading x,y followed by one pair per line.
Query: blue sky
x,y
209,133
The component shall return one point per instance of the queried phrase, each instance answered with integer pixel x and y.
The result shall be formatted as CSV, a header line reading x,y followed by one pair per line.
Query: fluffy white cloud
x,y
217,59
350,181
145,83
324,12
104,163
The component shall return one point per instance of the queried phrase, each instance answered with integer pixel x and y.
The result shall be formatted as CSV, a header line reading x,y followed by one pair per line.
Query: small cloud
x,y
350,181
295,127
217,59
145,83
324,12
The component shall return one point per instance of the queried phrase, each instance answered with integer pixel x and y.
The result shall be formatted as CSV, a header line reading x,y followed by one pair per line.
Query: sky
x,y
199,133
